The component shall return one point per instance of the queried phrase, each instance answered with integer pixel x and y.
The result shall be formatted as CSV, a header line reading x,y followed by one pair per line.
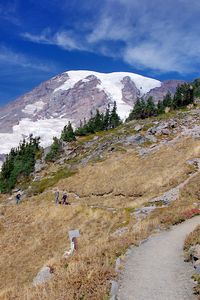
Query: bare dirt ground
x,y
156,270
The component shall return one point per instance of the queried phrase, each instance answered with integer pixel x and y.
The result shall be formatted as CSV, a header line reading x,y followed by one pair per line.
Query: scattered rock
x,y
194,252
138,128
167,197
151,138
44,275
144,211
165,131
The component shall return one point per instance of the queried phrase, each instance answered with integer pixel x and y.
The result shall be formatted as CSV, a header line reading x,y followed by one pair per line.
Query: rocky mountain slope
x,y
71,96
123,185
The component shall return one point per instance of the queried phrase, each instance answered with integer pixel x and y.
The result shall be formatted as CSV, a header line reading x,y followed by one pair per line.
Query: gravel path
x,y
156,270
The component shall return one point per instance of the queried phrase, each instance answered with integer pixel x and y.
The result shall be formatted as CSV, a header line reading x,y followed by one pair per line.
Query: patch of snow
x,y
111,81
46,129
31,109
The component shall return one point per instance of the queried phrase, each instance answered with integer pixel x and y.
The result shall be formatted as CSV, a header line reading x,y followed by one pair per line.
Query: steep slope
x,y
71,96
116,173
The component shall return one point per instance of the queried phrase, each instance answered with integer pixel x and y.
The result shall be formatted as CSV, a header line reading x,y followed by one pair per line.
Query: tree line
x,y
20,162
97,122
142,109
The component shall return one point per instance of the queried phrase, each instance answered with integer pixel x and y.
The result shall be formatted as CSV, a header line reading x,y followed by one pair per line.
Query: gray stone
x,y
44,275
138,127
165,131
114,290
194,252
151,138
197,266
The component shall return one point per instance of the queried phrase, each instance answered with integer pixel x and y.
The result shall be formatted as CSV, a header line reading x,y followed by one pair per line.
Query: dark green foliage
x,y
68,134
99,122
55,151
196,87
150,109
167,101
160,108
143,109
114,117
19,163
183,96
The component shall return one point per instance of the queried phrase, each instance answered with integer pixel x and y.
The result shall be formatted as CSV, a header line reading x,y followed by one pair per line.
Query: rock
x,y
114,290
144,211
167,197
151,138
152,130
197,266
138,128
44,274
167,109
194,252
135,139
38,165
165,131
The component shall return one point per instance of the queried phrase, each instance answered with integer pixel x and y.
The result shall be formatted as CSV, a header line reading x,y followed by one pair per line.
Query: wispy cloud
x,y
10,57
8,12
63,39
155,35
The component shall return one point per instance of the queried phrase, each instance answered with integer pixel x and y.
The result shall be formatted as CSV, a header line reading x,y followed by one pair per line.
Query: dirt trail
x,y
156,270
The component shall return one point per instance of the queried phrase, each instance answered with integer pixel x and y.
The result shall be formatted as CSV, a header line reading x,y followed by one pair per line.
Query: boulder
x,y
138,127
43,275
165,131
194,252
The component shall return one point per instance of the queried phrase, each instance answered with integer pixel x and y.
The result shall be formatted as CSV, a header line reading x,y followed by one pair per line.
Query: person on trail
x,y
18,197
56,197
64,199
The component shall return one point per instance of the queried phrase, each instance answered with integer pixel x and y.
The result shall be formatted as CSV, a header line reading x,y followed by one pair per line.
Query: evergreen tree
x,y
106,119
68,134
55,150
114,117
19,163
167,100
160,108
98,121
151,109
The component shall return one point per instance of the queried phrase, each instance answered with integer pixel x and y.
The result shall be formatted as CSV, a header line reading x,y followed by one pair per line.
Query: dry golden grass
x,y
34,233
131,176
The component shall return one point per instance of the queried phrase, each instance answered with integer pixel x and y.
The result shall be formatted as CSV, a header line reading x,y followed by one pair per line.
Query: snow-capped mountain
x,y
71,96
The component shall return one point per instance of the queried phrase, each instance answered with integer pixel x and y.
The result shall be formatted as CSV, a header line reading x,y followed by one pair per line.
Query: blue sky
x,y
41,38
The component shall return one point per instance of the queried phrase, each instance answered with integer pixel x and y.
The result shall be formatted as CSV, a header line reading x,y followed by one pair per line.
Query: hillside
x,y
123,185
71,96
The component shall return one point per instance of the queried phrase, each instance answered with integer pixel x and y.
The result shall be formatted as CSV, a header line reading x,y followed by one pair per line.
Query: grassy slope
x,y
34,233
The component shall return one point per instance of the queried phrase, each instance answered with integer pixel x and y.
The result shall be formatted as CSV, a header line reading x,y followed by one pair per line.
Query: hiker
x,y
64,199
56,194
18,197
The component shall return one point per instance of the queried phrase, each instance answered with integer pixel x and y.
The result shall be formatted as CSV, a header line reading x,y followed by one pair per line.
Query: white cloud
x,y
158,35
63,39
9,57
